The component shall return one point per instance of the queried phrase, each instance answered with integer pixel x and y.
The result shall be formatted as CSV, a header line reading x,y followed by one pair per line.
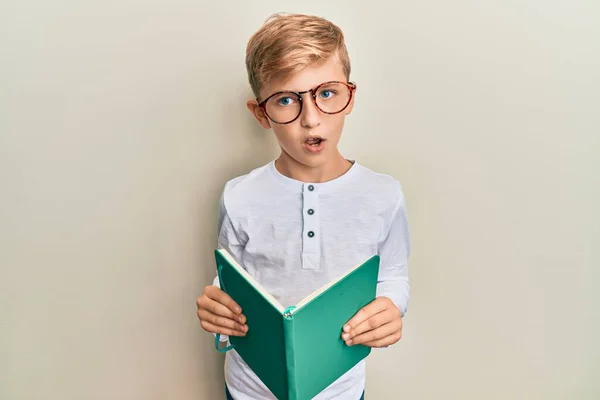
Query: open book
x,y
298,351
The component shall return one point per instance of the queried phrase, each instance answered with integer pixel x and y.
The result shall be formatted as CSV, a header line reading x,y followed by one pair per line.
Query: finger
x,y
364,313
217,308
223,298
374,322
212,328
387,341
380,335
221,321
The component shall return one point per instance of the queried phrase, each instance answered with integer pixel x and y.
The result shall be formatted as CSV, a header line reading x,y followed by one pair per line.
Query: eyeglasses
x,y
329,97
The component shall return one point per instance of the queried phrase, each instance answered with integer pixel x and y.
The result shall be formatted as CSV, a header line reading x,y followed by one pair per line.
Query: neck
x,y
330,170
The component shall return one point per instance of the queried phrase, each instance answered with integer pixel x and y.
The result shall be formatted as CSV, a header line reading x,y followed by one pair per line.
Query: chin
x,y
311,160
314,161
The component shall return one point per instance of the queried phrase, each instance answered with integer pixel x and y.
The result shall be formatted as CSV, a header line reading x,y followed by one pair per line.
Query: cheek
x,y
285,135
335,126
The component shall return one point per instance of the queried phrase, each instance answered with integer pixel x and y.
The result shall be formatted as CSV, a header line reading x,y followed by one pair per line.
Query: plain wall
x,y
120,121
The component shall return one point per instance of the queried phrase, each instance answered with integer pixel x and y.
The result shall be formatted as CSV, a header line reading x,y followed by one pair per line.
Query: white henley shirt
x,y
294,237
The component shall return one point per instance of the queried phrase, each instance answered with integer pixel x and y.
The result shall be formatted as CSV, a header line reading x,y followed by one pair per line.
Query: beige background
x,y
121,120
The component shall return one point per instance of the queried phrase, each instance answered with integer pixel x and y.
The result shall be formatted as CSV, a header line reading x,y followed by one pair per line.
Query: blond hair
x,y
287,43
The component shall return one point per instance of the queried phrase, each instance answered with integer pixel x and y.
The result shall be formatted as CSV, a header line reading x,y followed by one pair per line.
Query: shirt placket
x,y
311,249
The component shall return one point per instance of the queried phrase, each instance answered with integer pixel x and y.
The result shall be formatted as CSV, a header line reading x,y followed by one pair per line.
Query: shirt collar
x,y
318,187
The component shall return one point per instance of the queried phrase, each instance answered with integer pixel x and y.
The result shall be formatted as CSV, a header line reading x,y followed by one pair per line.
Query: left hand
x,y
378,324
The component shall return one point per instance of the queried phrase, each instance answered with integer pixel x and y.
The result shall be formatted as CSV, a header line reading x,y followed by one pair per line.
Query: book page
x,y
252,281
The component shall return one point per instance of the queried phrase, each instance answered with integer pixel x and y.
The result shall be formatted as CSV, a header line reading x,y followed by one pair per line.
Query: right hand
x,y
219,313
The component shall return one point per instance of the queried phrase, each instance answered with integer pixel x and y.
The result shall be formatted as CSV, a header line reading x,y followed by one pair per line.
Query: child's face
x,y
300,138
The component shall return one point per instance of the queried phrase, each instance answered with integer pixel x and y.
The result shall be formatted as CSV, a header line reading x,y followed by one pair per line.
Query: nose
x,y
311,116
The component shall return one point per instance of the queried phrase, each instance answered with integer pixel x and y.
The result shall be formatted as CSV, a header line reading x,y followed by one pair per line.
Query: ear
x,y
258,113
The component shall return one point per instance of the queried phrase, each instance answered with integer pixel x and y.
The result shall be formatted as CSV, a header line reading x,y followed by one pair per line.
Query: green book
x,y
298,351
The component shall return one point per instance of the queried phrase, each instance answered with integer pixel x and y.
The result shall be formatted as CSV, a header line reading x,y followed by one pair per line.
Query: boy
x,y
310,215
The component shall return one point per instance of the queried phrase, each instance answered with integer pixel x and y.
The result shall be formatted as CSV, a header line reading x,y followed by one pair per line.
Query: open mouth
x,y
314,141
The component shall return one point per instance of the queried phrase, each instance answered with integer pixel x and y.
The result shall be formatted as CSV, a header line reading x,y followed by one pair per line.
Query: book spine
x,y
290,360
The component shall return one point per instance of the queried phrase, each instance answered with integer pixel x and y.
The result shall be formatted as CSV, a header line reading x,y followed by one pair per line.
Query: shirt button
x,y
310,211
311,234
311,188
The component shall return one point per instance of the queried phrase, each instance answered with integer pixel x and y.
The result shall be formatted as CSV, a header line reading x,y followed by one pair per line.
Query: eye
x,y
327,93
285,101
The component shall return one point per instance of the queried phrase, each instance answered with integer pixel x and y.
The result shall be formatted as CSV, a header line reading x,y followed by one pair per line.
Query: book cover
x,y
298,351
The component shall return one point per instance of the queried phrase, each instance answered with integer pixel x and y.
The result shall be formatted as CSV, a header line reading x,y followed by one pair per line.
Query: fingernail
x,y
348,342
346,336
346,328
238,309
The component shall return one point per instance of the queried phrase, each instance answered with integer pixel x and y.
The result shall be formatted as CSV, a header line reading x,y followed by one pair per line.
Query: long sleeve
x,y
228,238
394,250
